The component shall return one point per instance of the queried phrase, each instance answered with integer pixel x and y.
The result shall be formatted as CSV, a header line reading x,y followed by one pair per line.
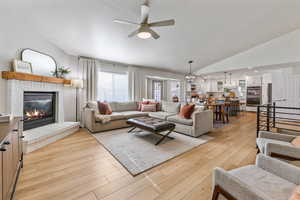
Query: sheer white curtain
x,y
89,67
90,78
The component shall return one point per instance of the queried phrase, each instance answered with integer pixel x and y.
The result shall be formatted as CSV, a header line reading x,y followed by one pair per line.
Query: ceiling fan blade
x,y
125,22
163,23
144,13
134,33
154,34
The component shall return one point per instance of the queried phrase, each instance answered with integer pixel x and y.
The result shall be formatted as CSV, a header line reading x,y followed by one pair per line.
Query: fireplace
x,y
39,109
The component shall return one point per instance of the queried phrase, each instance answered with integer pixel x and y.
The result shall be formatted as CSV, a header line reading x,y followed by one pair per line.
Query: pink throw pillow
x,y
296,194
296,141
104,108
142,103
148,108
158,107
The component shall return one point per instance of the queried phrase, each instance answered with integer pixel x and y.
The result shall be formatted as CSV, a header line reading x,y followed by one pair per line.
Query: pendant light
x,y
228,85
190,76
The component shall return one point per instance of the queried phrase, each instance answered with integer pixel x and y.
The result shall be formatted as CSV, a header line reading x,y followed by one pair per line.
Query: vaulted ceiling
x,y
205,30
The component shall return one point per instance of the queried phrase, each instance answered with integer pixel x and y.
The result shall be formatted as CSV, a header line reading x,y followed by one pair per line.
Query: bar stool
x,y
225,112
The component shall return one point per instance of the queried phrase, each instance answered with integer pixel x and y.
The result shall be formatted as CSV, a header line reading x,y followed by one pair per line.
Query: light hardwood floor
x,y
78,167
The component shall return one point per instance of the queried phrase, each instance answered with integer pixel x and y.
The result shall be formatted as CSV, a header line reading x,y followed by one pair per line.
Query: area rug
x,y
137,151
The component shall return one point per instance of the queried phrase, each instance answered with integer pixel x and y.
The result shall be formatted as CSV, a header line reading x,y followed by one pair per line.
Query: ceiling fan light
x,y
144,35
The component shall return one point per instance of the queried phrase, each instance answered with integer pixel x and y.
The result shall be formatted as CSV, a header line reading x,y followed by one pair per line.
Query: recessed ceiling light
x,y
256,71
144,35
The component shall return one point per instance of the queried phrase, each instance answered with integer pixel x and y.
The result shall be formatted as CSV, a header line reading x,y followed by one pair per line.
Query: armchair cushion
x,y
279,168
271,185
276,136
180,120
262,142
236,187
268,179
283,150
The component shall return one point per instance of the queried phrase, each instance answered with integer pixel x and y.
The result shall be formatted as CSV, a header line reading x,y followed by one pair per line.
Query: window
x,y
112,86
157,90
175,88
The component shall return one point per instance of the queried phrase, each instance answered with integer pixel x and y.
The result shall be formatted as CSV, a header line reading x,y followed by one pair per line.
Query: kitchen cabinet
x,y
254,81
7,171
11,157
1,177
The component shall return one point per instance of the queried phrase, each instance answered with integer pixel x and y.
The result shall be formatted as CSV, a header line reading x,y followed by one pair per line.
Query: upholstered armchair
x,y
278,145
268,179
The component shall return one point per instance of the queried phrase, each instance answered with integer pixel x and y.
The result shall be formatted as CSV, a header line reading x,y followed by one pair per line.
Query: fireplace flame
x,y
35,114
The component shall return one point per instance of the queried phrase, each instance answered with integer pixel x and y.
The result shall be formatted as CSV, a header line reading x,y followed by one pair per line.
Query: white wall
x,y
3,86
286,89
13,40
286,85
282,50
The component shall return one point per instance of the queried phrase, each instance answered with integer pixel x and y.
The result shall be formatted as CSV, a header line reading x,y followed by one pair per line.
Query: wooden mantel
x,y
32,77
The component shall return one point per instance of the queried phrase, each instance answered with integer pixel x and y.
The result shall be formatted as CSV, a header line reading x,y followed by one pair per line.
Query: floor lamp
x,y
78,84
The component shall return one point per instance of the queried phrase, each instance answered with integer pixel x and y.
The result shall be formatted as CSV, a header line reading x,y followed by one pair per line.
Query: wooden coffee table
x,y
153,125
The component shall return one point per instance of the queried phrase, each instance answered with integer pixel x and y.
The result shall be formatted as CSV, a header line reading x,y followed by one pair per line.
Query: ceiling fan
x,y
144,31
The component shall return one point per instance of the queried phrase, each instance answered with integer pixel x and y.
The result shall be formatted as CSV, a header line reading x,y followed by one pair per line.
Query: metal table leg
x,y
164,136
131,129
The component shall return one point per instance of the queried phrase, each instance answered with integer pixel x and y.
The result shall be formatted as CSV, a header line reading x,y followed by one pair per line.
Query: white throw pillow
x,y
93,105
148,108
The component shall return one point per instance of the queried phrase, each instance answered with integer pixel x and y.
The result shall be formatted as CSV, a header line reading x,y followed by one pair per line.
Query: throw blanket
x,y
103,118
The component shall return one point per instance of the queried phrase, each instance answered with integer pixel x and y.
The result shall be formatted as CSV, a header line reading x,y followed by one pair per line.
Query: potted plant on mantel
x,y
61,72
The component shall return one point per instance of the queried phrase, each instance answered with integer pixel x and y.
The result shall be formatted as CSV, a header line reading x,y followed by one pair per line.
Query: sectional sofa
x,y
200,123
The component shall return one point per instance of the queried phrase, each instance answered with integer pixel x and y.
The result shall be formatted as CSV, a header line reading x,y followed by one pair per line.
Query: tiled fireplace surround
x,y
39,137
16,89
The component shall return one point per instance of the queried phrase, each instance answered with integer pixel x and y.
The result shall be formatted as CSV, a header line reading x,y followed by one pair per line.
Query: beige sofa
x,y
201,122
121,112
